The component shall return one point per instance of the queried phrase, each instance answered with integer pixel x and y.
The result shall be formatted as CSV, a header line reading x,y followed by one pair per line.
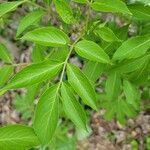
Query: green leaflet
x,y
2,92
25,104
5,54
122,32
62,140
38,53
34,73
141,75
72,107
64,11
112,46
140,12
17,137
106,34
32,92
148,142
93,70
5,73
59,54
113,86
91,51
145,2
110,113
145,28
80,1
120,115
118,109
128,110
131,93
9,6
47,36
46,115
115,6
132,48
134,143
22,106
131,65
81,85
29,20
124,110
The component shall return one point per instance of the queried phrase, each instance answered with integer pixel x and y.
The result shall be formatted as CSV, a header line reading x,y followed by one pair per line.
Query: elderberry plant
x,y
107,48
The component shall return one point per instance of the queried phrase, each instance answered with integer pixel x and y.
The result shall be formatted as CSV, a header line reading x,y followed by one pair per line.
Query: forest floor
x,y
104,136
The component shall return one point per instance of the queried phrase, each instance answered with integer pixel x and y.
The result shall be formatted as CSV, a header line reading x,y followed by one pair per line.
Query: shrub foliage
x,y
106,46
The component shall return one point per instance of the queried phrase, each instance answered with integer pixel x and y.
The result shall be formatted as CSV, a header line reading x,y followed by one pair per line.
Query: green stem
x,y
67,58
72,47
